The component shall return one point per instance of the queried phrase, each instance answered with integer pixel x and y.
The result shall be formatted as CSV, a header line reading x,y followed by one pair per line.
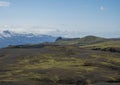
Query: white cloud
x,y
26,29
102,8
4,4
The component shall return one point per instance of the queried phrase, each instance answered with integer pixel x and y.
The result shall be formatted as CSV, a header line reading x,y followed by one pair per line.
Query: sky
x,y
68,18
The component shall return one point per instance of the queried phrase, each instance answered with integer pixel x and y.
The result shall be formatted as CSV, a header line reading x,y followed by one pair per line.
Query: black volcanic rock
x,y
59,38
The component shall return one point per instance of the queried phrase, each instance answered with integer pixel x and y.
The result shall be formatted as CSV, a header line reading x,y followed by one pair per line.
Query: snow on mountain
x,y
11,38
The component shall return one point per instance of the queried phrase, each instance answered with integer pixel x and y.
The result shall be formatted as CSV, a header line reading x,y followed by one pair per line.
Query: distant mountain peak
x,y
11,38
6,32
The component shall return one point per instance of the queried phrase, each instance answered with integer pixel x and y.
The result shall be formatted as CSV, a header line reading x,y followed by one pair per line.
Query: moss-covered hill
x,y
80,41
58,65
111,45
92,42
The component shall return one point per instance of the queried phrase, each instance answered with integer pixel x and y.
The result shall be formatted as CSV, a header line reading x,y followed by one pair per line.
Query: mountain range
x,y
11,38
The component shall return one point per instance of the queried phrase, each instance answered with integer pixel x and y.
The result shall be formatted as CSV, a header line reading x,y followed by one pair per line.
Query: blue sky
x,y
70,18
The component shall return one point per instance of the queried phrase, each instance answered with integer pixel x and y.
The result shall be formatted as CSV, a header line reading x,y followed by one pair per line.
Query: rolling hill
x,y
111,45
92,42
80,41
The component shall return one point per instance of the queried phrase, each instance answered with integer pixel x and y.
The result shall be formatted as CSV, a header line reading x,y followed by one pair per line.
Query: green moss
x,y
60,64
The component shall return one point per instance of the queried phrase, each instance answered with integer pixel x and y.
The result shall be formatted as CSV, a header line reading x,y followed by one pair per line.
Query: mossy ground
x,y
58,65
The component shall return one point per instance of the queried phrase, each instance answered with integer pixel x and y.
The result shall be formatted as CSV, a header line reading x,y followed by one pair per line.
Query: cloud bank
x,y
4,4
25,29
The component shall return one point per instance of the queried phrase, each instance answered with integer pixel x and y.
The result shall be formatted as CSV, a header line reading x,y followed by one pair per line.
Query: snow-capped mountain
x,y
11,38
